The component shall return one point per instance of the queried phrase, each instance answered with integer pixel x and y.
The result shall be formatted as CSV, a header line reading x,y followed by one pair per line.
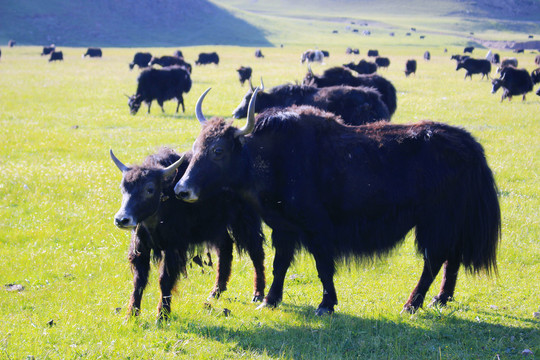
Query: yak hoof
x,y
323,311
213,295
265,305
409,309
440,300
257,298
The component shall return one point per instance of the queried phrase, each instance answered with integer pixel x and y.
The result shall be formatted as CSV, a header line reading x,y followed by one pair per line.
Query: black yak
x,y
48,49
141,60
244,74
56,56
373,53
343,191
207,58
535,76
427,55
475,66
468,49
537,60
168,60
93,52
459,58
169,230
178,53
506,63
363,67
160,85
514,82
341,76
410,67
355,105
325,53
352,51
11,43
382,62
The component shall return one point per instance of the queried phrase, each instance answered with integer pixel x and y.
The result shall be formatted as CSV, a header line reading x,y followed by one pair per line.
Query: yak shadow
x,y
428,335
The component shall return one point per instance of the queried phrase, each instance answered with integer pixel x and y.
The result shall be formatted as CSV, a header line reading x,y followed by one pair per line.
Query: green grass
x,y
59,192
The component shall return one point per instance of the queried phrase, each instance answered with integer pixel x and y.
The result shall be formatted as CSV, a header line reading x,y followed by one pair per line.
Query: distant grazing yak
x,y
535,76
373,53
427,55
352,51
341,76
170,230
363,67
537,60
355,105
207,58
11,43
93,52
507,62
468,49
48,49
312,56
178,53
325,53
160,85
475,66
343,192
410,67
459,58
56,56
514,82
382,62
244,74
141,60
259,54
168,60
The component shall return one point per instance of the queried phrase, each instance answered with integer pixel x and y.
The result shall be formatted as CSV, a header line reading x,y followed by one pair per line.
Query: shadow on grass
x,y
429,334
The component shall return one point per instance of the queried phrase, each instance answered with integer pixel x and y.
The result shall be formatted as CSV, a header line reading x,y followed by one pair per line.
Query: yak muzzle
x,y
185,193
124,222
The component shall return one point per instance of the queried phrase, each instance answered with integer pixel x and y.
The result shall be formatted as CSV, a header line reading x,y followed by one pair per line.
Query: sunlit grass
x,y
59,191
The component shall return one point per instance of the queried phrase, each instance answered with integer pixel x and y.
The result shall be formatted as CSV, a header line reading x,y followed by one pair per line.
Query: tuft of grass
x,y
59,192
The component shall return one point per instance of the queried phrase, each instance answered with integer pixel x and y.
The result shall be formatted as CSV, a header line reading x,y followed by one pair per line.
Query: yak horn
x,y
198,107
126,95
122,167
171,169
250,124
251,85
262,85
309,69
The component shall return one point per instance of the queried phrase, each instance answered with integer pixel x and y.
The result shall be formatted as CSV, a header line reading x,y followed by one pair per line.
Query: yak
x,y
537,60
355,105
312,56
178,53
373,53
168,60
48,49
259,54
468,49
141,60
410,67
161,85
514,82
93,52
207,58
459,58
341,76
169,230
427,55
244,74
363,67
345,192
382,62
535,76
475,66
56,56
12,43
352,51
506,63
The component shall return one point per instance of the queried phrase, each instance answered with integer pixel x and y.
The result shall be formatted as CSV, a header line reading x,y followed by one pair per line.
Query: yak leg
x,y
139,257
161,105
256,253
180,100
170,270
432,265
285,248
149,105
448,285
326,269
224,262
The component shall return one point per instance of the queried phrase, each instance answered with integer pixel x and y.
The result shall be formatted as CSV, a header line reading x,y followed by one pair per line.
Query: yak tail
x,y
482,222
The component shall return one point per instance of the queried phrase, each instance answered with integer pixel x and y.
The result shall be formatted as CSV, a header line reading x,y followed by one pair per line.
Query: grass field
x,y
59,192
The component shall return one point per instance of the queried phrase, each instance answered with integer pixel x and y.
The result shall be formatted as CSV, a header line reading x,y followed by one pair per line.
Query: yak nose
x,y
185,193
124,222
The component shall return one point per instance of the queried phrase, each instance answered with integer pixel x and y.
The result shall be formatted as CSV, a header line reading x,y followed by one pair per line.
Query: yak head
x,y
497,83
134,103
216,162
141,189
264,101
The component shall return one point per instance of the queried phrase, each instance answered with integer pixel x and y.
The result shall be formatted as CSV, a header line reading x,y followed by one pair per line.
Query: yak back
x,y
163,83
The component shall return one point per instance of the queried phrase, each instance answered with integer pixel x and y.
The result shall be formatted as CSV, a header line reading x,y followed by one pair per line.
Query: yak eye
x,y
150,190
218,151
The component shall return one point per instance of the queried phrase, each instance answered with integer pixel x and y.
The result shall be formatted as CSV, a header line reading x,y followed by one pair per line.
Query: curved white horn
x,y
251,85
262,85
118,163
309,69
171,169
198,107
250,123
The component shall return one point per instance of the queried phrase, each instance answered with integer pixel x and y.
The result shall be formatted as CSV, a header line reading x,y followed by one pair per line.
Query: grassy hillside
x,y
255,23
